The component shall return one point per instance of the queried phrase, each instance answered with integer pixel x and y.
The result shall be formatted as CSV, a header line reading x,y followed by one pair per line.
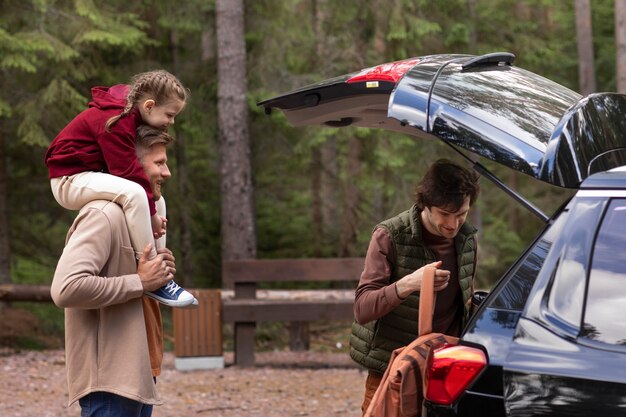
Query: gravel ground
x,y
282,384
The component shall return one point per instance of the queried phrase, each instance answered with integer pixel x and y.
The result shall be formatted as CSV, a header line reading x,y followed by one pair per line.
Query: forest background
x,y
249,185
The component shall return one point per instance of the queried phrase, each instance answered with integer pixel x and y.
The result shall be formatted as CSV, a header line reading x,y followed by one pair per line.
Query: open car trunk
x,y
483,104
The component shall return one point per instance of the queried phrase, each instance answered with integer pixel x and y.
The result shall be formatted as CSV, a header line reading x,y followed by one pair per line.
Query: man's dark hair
x,y
148,136
446,185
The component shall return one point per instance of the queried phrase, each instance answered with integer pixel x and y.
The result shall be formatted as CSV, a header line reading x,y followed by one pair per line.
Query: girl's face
x,y
160,116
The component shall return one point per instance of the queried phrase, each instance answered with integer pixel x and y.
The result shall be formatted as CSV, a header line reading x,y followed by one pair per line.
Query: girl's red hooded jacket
x,y
85,145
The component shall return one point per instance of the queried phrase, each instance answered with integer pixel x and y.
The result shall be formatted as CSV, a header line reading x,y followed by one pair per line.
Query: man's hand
x,y
413,281
158,271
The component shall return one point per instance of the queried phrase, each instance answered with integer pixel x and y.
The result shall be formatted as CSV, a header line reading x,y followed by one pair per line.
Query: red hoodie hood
x,y
109,97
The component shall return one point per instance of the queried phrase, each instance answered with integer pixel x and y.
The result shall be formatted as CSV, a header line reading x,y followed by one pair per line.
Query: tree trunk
x,y
238,225
547,18
584,39
380,206
380,203
317,219
5,252
620,44
473,16
330,186
350,222
317,166
324,168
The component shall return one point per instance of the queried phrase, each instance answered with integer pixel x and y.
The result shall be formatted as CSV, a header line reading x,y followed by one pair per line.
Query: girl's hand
x,y
159,226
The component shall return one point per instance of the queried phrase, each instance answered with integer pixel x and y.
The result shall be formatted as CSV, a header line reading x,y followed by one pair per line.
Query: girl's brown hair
x,y
159,85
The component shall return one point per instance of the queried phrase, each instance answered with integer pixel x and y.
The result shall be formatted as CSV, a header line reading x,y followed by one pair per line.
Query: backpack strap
x,y
427,302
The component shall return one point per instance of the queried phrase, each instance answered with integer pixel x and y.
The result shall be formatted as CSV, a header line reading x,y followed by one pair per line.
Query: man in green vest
x,y
432,232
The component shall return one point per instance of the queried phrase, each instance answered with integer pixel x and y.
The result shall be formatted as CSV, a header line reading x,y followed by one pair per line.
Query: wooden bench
x,y
245,309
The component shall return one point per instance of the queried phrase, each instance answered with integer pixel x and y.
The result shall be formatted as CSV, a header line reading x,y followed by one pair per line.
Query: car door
x,y
568,353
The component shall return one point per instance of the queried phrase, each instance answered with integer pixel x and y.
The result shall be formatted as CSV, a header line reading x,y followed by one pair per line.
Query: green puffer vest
x,y
371,344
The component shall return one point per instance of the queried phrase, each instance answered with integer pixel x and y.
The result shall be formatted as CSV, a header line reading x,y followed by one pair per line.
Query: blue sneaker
x,y
173,295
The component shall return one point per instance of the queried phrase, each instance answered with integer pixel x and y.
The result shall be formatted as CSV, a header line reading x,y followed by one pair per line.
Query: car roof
x,y
483,104
613,179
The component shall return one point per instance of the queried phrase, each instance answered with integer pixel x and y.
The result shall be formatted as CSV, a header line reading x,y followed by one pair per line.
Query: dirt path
x,y
283,384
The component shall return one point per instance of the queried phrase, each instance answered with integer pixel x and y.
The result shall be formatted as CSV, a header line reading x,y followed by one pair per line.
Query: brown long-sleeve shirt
x,y
376,296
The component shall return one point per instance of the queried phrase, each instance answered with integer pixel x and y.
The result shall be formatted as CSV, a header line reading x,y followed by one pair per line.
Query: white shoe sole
x,y
172,303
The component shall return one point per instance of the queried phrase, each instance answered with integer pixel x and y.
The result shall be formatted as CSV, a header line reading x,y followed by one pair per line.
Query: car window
x,y
565,302
606,296
515,290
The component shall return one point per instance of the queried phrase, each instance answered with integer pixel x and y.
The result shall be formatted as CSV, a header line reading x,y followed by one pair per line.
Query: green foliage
x,y
17,62
110,27
30,131
28,343
60,91
20,50
458,34
5,109
50,316
44,326
30,270
405,27
498,250
189,19
271,336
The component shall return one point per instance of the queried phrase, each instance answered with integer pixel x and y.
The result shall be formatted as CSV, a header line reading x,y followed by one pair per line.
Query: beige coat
x,y
106,346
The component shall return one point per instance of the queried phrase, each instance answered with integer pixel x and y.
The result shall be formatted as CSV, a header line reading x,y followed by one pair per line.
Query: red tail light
x,y
451,369
392,72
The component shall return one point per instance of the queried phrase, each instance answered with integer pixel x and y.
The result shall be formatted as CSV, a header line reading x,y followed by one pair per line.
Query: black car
x,y
550,338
